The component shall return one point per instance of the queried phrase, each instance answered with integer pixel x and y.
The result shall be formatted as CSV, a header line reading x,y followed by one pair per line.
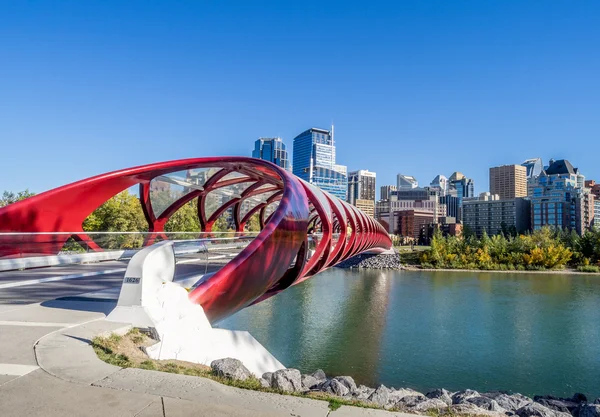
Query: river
x,y
527,333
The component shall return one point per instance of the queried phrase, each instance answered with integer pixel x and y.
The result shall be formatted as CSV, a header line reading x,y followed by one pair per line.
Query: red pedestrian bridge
x,y
303,229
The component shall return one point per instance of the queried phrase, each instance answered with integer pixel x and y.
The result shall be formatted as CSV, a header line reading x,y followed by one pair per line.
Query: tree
x,y
253,224
121,213
185,219
8,197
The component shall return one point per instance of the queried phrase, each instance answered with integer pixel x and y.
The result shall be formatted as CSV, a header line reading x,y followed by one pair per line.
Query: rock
x,y
264,383
511,402
381,396
268,376
410,401
430,404
335,387
397,394
309,382
461,397
371,261
319,375
486,403
588,410
579,398
597,400
288,380
348,381
558,404
230,368
538,410
363,393
440,394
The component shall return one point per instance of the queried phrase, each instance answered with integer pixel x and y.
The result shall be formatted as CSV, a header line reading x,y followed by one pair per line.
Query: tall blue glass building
x,y
272,150
314,162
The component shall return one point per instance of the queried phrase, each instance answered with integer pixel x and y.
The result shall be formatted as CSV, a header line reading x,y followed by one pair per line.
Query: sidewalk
x,y
47,368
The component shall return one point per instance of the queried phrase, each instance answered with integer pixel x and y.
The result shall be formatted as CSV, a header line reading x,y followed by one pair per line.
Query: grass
x,y
125,352
588,268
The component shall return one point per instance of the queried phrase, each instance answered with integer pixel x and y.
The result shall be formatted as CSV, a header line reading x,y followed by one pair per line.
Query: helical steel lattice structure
x,y
290,212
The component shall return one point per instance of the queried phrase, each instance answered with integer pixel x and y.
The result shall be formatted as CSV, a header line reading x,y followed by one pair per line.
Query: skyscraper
x,y
405,182
462,187
508,181
361,190
272,150
558,201
361,186
440,183
385,191
534,168
314,161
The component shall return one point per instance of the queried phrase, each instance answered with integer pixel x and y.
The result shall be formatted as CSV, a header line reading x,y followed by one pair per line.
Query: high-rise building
x,y
534,168
461,187
508,181
493,215
557,200
406,182
366,206
597,214
440,183
385,191
272,150
361,186
314,161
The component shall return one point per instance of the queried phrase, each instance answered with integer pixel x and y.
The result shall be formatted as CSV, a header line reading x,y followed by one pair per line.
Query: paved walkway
x,y
47,368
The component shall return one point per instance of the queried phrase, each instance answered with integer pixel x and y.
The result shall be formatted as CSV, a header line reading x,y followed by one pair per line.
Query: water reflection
x,y
524,332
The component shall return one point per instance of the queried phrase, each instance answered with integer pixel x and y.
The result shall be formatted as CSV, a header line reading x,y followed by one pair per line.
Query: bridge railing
x,y
104,246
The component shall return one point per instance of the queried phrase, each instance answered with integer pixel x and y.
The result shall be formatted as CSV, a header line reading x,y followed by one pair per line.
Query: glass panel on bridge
x,y
168,188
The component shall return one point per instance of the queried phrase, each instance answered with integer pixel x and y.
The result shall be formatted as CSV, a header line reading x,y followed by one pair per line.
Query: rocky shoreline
x,y
467,402
373,261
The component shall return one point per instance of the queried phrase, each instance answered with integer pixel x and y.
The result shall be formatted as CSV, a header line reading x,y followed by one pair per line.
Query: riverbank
x,y
566,271
126,351
408,259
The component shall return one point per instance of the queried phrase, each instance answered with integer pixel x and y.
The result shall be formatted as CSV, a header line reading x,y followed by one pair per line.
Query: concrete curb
x,y
68,355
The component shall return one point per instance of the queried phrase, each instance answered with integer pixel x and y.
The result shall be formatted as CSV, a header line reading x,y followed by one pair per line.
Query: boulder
x,y
268,376
264,383
319,375
410,401
440,394
538,410
348,381
363,393
381,396
309,382
430,404
288,380
511,402
461,397
230,368
486,404
397,394
335,387
588,410
579,398
561,405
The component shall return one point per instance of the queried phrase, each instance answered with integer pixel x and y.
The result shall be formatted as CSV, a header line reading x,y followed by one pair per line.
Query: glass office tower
x,y
314,162
272,150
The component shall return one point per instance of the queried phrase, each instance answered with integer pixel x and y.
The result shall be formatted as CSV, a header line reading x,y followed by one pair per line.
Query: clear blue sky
x,y
417,87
